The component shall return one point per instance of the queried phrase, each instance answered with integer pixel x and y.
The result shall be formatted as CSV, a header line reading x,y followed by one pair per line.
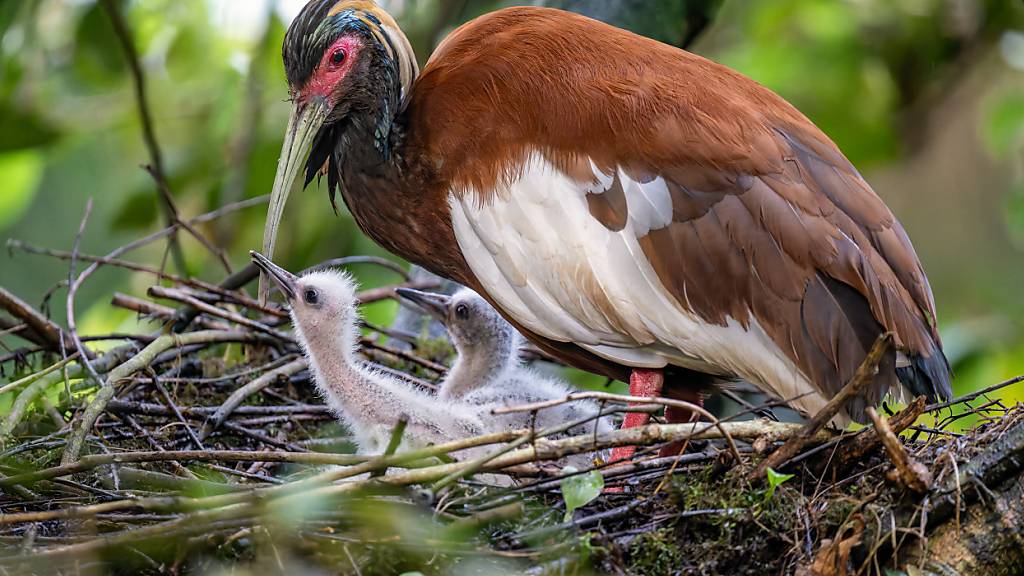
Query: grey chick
x,y
326,320
488,370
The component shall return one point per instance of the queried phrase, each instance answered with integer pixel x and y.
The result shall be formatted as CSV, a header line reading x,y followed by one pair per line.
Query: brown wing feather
x,y
769,219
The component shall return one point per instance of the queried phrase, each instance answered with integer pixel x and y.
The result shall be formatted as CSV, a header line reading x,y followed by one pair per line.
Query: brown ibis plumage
x,y
634,209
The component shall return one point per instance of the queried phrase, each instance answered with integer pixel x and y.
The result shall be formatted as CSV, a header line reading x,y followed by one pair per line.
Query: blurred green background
x,y
926,97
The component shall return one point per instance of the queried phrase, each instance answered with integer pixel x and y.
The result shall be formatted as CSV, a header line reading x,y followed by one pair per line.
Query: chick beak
x,y
432,303
284,279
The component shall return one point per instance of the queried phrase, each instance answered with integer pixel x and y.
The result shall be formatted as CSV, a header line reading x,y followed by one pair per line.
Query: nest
x,y
203,444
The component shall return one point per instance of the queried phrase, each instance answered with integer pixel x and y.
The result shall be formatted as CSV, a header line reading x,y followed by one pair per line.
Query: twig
x,y
240,298
37,375
147,409
185,298
973,395
639,400
72,290
174,408
909,472
156,168
864,375
136,363
48,334
867,438
320,485
235,281
139,84
239,395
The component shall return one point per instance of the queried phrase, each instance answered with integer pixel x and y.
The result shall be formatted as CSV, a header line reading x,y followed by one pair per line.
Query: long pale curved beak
x,y
303,126
284,279
430,302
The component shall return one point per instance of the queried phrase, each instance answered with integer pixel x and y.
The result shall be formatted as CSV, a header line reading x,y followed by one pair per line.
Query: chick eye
x,y
338,57
462,311
311,296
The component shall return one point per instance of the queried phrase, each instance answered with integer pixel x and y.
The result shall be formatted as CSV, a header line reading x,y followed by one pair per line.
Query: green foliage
x,y
580,489
21,174
775,479
656,553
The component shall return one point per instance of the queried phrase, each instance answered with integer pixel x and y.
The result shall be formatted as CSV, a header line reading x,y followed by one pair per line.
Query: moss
x,y
656,553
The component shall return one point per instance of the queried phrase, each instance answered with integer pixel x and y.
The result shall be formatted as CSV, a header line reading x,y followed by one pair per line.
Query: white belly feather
x,y
559,272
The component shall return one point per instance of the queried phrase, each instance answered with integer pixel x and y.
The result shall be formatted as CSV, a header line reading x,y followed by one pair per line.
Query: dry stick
x,y
147,308
867,438
185,298
77,438
33,377
30,393
49,334
170,230
8,326
174,408
609,397
240,298
176,503
973,395
34,390
864,375
315,486
92,461
72,290
909,472
239,395
148,409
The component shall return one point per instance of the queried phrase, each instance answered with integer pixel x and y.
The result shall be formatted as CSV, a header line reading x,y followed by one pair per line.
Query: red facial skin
x,y
327,74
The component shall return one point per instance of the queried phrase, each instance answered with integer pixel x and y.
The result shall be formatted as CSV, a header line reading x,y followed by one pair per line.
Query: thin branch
x,y
909,471
47,333
72,290
131,55
185,298
973,395
609,397
99,403
238,396
156,166
864,375
231,295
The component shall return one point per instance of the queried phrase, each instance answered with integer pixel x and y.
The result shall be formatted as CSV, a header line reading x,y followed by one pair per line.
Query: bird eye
x,y
311,296
338,57
462,311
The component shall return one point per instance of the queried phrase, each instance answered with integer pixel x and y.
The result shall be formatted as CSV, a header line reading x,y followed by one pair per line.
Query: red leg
x,y
675,415
642,382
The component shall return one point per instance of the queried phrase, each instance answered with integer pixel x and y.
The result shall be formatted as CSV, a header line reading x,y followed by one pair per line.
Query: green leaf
x,y
21,174
775,480
578,490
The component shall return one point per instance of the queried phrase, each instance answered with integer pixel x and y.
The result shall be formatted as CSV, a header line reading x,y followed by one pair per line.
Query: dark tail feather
x,y
928,376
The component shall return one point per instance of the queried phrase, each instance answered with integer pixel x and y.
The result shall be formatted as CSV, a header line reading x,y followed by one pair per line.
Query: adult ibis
x,y
634,209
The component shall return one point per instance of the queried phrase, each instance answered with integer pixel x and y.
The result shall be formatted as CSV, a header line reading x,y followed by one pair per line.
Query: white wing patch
x,y
559,272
